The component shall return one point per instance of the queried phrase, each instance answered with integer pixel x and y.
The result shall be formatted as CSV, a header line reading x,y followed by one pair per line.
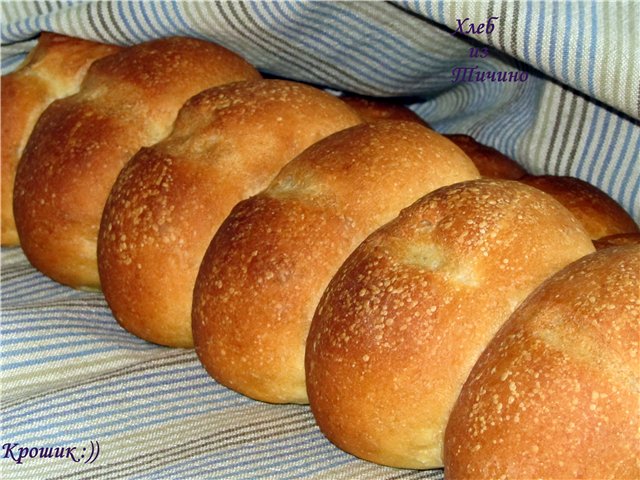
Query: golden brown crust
x,y
489,161
227,144
617,240
555,394
246,271
372,109
127,100
599,213
54,69
267,266
55,201
401,324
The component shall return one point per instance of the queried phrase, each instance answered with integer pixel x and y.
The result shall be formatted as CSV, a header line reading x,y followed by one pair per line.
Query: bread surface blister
x,y
334,252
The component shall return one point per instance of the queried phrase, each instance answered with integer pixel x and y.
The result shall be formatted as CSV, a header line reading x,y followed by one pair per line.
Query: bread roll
x,y
227,144
489,161
555,394
405,318
54,69
269,263
80,143
617,240
372,109
599,213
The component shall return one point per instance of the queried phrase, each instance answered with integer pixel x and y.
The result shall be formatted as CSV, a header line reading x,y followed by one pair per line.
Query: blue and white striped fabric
x,y
71,377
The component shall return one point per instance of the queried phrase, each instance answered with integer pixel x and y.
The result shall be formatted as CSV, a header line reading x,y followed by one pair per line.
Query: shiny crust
x,y
599,213
617,240
54,69
372,109
227,144
269,263
403,321
555,394
80,143
489,161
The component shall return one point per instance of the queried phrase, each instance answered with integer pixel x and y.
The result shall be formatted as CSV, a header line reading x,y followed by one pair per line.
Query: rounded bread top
x,y
490,162
555,394
372,109
269,262
600,214
403,321
165,68
227,144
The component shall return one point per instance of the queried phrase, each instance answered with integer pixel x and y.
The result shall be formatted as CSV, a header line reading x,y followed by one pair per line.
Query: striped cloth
x,y
72,378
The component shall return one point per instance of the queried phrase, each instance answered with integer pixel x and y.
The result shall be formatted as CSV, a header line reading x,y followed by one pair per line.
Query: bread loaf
x,y
489,161
54,69
80,143
617,240
555,394
401,324
227,144
267,266
599,213
372,109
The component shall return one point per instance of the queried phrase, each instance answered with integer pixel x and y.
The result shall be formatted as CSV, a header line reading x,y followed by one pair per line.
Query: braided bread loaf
x,y
80,143
54,69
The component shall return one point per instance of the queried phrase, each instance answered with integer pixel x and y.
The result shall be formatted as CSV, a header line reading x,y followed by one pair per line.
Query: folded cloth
x,y
554,85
